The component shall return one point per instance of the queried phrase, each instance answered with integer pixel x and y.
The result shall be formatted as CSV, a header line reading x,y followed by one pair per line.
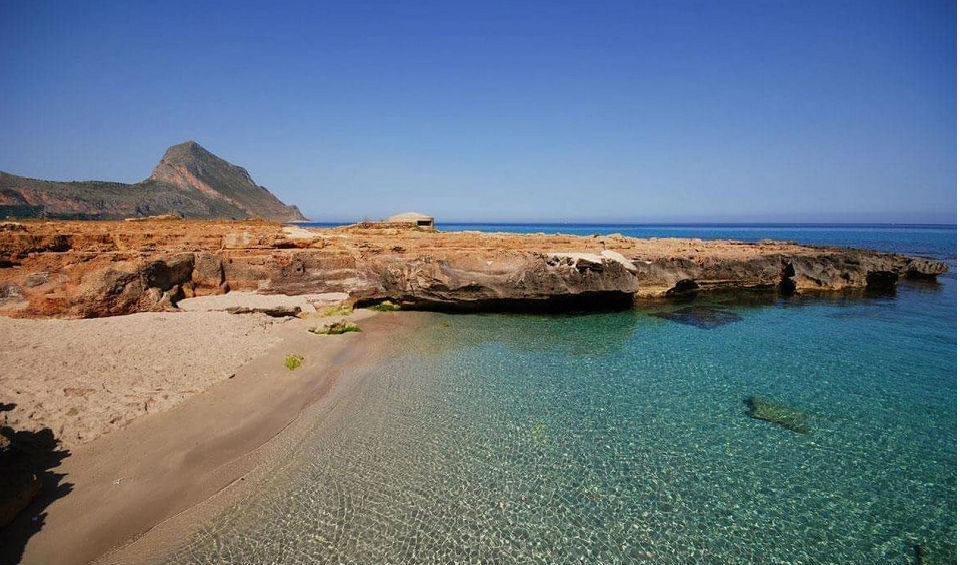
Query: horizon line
x,y
660,223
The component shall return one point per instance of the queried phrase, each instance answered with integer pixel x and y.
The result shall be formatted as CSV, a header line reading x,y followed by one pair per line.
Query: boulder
x,y
166,273
618,258
207,272
36,279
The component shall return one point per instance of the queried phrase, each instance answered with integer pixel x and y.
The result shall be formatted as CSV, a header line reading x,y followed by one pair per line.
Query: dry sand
x,y
85,378
159,466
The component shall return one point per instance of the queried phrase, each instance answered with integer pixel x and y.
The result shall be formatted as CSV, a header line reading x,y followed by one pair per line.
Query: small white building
x,y
412,218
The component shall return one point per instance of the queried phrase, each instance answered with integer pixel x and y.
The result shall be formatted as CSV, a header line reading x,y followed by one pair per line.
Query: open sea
x,y
624,437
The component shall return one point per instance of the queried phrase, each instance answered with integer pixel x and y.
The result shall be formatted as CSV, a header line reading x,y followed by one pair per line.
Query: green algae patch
x,y
784,416
336,311
336,328
386,306
539,434
293,362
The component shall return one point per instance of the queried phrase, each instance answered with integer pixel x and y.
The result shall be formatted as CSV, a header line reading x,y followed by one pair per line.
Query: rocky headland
x,y
189,182
93,269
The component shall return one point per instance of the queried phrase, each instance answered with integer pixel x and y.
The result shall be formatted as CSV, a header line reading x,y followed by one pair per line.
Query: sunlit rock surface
x,y
89,269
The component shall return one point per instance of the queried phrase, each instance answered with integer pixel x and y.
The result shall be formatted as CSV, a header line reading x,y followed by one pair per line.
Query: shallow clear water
x,y
623,438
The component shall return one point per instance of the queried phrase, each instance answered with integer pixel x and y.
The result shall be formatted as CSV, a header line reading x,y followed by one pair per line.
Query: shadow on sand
x,y
27,485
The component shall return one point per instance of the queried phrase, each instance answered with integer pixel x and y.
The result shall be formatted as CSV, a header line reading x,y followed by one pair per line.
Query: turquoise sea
x,y
624,437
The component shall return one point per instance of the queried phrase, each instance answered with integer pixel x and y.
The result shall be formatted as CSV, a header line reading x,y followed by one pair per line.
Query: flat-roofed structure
x,y
412,218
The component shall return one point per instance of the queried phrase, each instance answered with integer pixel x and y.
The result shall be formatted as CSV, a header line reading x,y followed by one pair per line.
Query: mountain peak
x,y
189,166
189,181
186,150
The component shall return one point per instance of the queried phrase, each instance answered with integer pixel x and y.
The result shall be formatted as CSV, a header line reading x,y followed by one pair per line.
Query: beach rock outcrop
x,y
525,280
274,312
83,269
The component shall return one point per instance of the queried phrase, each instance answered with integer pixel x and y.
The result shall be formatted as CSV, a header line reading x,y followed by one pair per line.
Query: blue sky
x,y
596,111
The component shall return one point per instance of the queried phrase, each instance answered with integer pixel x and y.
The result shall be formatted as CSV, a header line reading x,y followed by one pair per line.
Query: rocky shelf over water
x,y
91,269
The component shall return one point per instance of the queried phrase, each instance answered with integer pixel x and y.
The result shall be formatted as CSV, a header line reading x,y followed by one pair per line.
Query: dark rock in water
x,y
684,285
789,418
920,553
704,317
746,298
882,280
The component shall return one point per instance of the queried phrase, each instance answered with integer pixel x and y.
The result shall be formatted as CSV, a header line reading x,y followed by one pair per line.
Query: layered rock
x,y
518,281
83,269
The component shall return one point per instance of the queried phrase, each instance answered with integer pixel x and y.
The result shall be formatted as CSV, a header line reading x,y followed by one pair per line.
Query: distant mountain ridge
x,y
189,181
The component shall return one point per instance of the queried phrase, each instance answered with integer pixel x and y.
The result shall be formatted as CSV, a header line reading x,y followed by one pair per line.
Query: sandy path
x,y
161,465
85,378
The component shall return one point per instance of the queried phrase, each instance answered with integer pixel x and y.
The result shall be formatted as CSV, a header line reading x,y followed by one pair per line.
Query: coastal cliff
x,y
92,269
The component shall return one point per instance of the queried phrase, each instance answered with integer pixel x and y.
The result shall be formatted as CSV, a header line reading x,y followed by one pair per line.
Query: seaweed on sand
x,y
293,362
336,328
341,310
385,306
789,418
539,433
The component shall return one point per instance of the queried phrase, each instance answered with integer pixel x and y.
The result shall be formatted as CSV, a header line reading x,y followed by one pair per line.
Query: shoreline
x,y
124,484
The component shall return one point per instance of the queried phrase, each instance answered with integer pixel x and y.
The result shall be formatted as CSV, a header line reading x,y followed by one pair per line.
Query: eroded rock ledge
x,y
89,269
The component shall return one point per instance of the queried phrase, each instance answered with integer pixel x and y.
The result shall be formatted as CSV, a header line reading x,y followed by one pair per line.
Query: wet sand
x,y
162,465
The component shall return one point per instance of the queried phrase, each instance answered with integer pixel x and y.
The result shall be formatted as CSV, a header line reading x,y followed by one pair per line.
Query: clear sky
x,y
597,111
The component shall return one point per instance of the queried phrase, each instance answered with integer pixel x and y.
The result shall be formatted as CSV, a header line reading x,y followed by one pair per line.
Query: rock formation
x,y
189,182
84,269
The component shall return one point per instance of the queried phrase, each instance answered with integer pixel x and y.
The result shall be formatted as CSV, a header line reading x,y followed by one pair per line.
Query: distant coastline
x,y
449,224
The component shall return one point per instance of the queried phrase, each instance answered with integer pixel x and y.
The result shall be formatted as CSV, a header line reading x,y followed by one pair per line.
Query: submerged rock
x,y
704,317
784,416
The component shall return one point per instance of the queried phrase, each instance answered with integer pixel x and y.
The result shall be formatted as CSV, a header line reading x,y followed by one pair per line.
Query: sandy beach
x,y
85,378
126,476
